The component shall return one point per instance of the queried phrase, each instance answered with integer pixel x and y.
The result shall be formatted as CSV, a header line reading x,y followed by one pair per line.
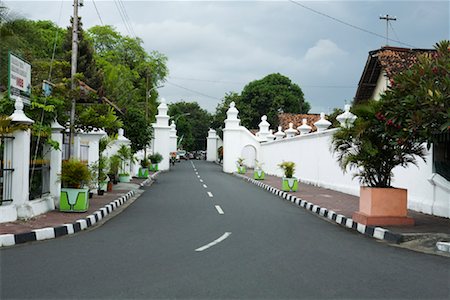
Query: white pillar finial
x,y
323,123
304,128
346,119
263,129
291,132
18,115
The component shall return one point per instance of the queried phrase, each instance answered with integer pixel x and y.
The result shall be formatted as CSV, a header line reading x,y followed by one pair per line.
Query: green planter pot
x,y
242,170
259,175
74,200
290,184
143,173
124,178
154,167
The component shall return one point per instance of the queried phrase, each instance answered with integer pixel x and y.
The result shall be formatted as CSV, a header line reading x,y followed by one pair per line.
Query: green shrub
x,y
74,173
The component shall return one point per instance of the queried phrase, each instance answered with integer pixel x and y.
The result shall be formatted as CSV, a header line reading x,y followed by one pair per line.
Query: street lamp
x,y
147,96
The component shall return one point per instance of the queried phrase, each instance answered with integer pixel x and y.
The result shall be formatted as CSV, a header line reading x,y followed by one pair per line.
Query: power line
x,y
236,82
191,90
98,13
122,17
348,24
127,18
207,80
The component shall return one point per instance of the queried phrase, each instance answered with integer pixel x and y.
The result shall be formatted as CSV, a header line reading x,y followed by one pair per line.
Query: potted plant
x,y
143,170
114,164
373,147
125,156
289,182
240,166
258,173
93,178
155,159
102,176
74,197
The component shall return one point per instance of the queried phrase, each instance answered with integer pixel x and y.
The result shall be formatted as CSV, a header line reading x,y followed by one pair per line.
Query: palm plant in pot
x,y
373,147
289,182
125,156
113,172
258,173
143,170
155,159
240,166
74,196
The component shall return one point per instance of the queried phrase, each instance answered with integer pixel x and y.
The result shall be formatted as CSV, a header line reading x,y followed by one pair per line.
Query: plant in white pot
x,y
240,166
289,182
258,173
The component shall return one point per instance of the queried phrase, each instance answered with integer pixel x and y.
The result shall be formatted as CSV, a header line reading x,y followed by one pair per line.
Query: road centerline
x,y
210,194
219,210
205,186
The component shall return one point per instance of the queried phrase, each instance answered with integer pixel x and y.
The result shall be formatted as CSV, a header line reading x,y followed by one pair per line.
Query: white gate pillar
x,y
56,162
211,145
162,136
21,163
231,140
173,137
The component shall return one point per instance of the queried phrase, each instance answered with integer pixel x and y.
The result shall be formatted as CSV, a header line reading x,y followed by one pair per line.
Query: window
x,y
441,155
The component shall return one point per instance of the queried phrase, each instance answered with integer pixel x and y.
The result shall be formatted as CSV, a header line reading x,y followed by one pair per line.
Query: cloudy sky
x,y
215,47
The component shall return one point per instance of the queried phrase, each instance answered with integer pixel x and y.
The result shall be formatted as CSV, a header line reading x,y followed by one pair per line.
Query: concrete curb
x,y
65,229
146,181
370,231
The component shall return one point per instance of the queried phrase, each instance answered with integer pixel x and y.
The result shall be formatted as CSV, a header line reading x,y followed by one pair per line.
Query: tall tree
x,y
269,96
192,124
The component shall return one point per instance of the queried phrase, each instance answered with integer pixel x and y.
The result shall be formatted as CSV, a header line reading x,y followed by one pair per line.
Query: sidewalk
x,y
422,236
99,207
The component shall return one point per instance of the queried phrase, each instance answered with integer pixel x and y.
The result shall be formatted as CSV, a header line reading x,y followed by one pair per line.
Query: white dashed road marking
x,y
219,210
223,237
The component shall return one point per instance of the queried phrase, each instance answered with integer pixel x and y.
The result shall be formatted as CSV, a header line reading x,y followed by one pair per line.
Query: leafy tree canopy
x,y
418,102
269,96
192,124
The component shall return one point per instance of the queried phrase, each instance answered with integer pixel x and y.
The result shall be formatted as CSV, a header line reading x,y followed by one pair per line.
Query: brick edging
x,y
370,231
65,229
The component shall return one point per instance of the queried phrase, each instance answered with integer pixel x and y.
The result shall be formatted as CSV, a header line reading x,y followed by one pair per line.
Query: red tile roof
x,y
285,118
392,60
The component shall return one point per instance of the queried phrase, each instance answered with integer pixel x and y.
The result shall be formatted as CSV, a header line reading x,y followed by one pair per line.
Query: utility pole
x,y
387,18
73,72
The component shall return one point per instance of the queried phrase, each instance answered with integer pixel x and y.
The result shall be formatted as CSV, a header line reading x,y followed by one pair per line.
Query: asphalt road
x,y
176,241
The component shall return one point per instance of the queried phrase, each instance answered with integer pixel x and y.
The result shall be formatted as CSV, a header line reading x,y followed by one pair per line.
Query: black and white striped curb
x,y
151,178
65,229
371,231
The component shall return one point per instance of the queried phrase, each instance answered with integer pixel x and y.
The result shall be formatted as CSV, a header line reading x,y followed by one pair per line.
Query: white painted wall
x,y
316,164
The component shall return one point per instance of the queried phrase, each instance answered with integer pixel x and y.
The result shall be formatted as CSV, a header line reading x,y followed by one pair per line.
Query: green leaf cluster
x,y
192,124
271,95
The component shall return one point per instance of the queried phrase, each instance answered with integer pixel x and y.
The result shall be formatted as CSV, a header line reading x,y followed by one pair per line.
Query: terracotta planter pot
x,y
383,206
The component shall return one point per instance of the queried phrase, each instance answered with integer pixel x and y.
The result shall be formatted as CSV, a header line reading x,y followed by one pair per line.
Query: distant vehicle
x,y
182,154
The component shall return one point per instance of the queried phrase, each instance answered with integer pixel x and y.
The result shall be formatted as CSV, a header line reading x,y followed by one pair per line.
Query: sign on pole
x,y
19,79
